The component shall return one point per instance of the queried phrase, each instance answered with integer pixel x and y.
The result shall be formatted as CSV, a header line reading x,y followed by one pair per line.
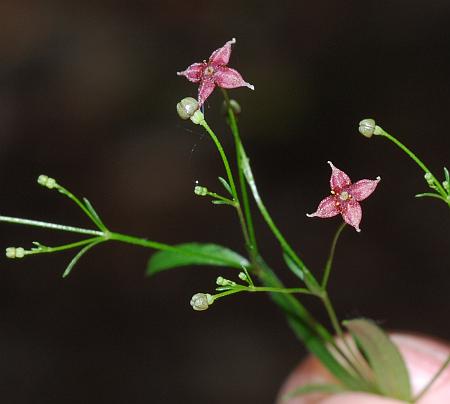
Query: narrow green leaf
x,y
386,361
75,259
293,267
447,174
94,213
226,185
195,254
430,195
314,388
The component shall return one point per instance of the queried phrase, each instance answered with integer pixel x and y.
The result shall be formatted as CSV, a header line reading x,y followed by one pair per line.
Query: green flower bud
x,y
187,107
429,179
367,127
234,105
45,181
201,301
13,252
201,191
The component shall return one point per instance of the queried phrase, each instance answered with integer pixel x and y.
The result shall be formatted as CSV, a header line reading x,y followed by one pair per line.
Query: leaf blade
x,y
386,361
195,254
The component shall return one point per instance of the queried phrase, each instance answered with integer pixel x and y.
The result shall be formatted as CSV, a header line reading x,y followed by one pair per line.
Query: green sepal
x,y
315,388
386,361
195,254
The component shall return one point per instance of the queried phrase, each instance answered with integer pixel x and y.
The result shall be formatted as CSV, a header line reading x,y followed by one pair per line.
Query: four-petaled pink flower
x,y
214,73
345,197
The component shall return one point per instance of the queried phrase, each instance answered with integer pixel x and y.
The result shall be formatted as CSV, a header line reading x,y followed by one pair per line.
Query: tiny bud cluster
x,y
48,182
15,252
221,281
201,191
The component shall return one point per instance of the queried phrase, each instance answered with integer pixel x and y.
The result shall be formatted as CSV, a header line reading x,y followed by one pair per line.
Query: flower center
x,y
209,71
343,196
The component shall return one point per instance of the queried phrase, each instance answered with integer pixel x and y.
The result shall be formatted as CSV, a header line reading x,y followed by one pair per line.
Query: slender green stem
x,y
433,379
252,289
41,249
227,201
329,264
124,238
53,226
81,205
265,214
230,180
355,363
245,200
417,160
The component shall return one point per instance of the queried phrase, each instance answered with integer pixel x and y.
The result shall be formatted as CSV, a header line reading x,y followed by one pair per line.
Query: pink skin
x,y
423,357
345,197
214,73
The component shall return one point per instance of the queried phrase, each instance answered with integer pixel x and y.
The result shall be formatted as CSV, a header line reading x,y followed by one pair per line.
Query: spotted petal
x,y
193,72
327,208
338,178
221,56
352,214
362,189
226,77
205,89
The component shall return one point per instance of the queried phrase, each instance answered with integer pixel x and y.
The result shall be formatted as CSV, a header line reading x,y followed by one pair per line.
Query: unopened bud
x,y
243,276
234,105
45,181
187,107
201,301
367,127
201,191
429,179
15,252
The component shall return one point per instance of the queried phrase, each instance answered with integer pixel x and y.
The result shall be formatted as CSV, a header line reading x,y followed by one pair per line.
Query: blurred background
x,y
87,95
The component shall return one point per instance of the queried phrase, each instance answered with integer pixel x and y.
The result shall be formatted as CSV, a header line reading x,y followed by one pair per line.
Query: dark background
x,y
87,95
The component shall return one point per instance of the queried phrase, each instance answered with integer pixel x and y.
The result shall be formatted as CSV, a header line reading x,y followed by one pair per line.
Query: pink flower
x,y
214,73
345,197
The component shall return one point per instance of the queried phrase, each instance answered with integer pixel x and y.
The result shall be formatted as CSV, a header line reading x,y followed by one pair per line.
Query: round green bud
x,y
243,276
367,127
201,301
187,107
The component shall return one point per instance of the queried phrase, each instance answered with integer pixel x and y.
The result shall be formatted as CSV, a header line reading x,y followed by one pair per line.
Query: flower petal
x,y
338,178
226,77
362,189
221,56
327,208
193,72
205,89
352,214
